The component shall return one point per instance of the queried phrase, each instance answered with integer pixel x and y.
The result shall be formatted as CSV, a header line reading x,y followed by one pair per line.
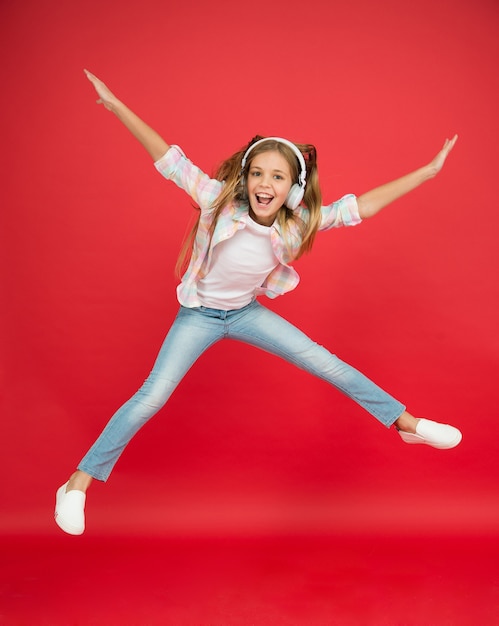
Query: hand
x,y
373,201
439,160
106,97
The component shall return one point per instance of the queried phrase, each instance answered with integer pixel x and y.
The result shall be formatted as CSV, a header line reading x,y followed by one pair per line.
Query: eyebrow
x,y
256,167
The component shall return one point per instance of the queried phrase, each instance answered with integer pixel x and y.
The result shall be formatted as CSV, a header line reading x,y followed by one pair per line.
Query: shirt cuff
x,y
166,164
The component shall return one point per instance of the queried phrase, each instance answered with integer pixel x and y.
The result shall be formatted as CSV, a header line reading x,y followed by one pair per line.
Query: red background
x,y
90,234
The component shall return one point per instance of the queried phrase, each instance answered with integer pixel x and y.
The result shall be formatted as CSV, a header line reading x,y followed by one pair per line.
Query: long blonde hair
x,y
234,190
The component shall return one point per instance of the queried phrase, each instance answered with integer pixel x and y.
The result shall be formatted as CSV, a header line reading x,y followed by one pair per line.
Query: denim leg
x,y
195,330
265,329
190,335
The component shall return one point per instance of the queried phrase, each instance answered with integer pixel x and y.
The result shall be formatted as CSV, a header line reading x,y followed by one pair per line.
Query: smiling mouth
x,y
264,198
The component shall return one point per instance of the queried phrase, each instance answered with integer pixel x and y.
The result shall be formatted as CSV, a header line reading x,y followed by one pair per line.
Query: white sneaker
x,y
69,510
433,434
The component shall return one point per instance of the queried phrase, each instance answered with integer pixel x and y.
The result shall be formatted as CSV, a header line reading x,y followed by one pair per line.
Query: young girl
x,y
261,212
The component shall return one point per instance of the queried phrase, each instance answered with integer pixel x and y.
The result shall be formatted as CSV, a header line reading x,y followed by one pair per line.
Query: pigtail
x,y
312,199
228,172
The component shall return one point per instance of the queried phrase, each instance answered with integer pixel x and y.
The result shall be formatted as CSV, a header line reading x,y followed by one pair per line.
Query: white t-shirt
x,y
239,266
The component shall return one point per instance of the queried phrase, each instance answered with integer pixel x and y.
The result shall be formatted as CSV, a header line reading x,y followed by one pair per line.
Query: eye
x,y
278,177
254,173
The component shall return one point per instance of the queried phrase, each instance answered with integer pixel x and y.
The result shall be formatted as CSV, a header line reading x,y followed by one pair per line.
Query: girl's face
x,y
269,182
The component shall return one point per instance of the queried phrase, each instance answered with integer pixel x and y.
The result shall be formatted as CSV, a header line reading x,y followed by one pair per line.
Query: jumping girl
x,y
261,212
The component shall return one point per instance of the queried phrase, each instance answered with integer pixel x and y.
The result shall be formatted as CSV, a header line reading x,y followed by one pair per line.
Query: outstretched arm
x,y
373,201
155,145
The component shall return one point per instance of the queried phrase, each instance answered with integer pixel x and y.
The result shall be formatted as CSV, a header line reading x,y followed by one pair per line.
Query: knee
x,y
154,393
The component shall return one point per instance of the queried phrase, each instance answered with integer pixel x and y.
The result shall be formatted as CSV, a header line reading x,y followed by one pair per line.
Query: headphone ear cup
x,y
295,196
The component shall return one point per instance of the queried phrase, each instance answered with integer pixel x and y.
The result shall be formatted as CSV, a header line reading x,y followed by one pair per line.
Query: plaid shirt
x,y
204,190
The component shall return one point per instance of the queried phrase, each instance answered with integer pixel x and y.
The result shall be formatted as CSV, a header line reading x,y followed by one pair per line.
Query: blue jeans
x,y
196,329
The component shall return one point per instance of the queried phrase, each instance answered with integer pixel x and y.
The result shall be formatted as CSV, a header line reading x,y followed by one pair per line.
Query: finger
x,y
92,78
450,142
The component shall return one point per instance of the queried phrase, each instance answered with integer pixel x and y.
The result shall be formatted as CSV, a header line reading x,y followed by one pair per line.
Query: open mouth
x,y
264,198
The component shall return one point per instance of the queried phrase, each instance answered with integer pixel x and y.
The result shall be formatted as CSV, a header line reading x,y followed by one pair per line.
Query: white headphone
x,y
295,195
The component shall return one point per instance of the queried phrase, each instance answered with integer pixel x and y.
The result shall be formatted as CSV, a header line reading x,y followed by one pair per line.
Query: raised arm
x,y
155,145
373,201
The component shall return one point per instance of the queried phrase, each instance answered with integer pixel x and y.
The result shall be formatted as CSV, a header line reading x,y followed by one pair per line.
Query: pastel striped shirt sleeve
x,y
175,166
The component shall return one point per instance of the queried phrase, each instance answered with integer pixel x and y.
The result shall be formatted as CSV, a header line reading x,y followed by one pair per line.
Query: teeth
x,y
264,197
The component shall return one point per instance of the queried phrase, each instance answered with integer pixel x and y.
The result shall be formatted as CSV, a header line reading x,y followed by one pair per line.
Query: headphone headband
x,y
303,174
